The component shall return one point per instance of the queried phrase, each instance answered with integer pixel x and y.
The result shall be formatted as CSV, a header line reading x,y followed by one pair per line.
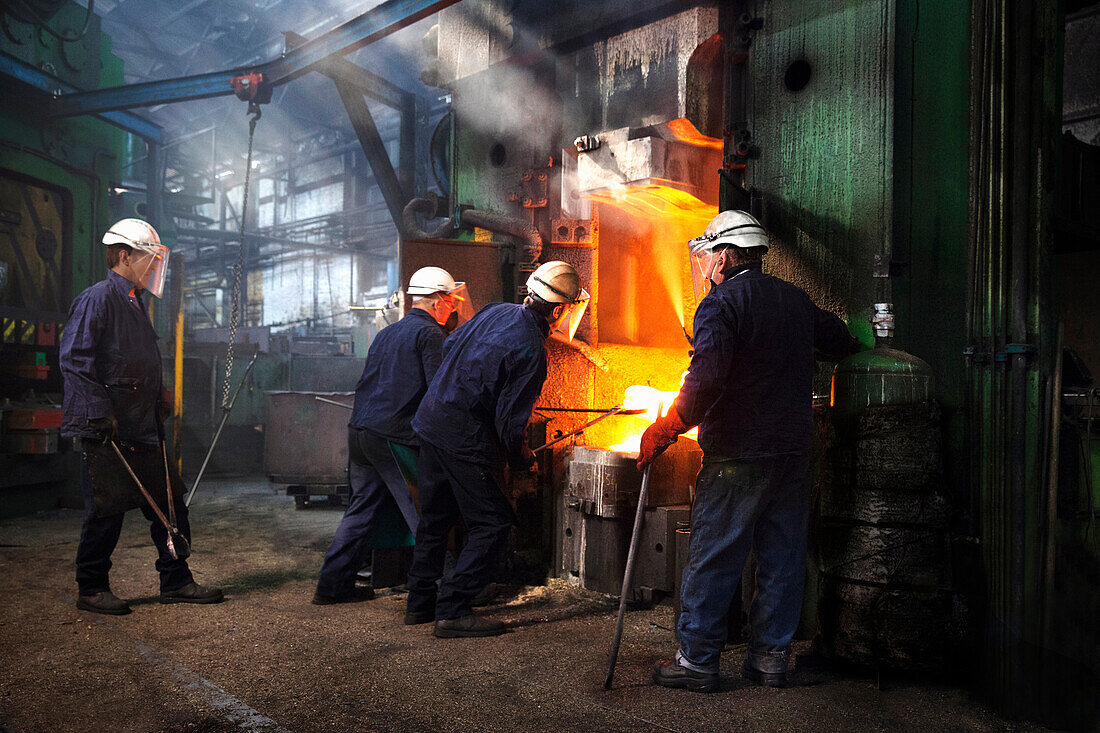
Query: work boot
x,y
103,602
419,609
766,668
355,595
192,593
469,625
673,674
415,618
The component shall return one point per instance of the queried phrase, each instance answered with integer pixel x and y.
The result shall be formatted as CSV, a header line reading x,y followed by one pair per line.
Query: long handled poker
x,y
616,410
169,525
628,574
226,409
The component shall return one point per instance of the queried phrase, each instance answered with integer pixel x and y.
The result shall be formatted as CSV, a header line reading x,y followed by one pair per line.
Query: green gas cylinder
x,y
881,376
884,516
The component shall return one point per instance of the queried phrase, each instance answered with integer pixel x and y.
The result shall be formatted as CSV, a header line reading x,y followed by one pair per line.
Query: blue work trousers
x,y
451,487
375,480
760,505
99,535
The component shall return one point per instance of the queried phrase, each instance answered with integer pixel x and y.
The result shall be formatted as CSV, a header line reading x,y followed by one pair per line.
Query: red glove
x,y
659,436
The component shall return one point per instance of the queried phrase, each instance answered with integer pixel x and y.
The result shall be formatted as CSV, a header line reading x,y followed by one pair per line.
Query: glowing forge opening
x,y
642,397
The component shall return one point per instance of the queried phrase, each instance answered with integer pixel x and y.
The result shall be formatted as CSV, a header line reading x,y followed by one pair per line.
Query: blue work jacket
x,y
750,384
478,405
110,363
401,362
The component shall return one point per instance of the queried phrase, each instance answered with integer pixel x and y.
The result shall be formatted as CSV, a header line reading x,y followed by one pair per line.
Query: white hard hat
x,y
152,266
134,232
730,229
556,282
428,280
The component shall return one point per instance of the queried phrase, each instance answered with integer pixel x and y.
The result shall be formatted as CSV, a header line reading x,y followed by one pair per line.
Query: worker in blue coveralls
x,y
400,365
114,408
472,422
749,389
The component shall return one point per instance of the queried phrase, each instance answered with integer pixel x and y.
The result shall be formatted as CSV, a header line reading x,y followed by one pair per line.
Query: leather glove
x,y
105,427
659,436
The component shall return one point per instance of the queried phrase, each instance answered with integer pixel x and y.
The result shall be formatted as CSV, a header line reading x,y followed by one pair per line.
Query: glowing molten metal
x,y
641,397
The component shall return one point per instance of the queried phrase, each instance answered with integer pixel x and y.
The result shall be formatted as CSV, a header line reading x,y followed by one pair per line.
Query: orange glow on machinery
x,y
686,132
653,223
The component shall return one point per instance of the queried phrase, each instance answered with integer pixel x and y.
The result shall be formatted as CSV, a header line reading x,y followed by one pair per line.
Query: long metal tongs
x,y
628,573
616,410
169,524
226,409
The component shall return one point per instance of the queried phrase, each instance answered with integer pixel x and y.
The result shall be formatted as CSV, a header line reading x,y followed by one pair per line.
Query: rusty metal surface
x,y
476,263
305,440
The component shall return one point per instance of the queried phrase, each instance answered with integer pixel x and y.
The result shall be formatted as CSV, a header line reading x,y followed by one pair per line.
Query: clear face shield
x,y
704,265
570,319
456,305
462,304
151,266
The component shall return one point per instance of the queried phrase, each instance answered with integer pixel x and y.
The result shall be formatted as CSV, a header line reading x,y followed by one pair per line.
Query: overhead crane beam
x,y
390,16
39,79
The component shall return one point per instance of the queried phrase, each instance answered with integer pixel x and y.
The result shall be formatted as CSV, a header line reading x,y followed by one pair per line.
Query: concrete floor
x,y
267,659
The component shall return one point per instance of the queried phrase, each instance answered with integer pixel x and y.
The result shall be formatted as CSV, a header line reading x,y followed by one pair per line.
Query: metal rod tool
x,y
585,409
628,574
168,525
617,410
217,433
334,402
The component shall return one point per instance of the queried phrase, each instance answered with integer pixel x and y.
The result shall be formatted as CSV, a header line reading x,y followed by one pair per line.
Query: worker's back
x,y
401,362
493,369
750,384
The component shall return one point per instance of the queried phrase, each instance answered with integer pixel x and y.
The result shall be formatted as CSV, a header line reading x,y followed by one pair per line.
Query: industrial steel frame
x,y
323,54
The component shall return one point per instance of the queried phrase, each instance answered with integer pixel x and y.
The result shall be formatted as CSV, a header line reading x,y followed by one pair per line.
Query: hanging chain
x,y
238,266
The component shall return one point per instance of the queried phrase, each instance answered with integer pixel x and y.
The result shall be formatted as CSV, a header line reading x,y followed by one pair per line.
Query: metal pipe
x,y
504,224
426,207
177,359
1052,490
1020,121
